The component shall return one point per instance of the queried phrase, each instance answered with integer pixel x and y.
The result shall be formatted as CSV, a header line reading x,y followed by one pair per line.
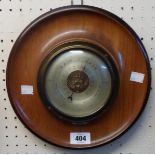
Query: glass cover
x,y
78,83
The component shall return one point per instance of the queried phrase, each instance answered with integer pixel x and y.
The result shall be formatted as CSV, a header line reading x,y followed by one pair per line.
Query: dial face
x,y
78,83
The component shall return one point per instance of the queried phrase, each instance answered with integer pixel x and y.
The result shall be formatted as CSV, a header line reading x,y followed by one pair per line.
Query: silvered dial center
x,y
78,81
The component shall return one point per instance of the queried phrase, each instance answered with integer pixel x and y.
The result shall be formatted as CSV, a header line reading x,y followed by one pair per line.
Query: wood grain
x,y
86,24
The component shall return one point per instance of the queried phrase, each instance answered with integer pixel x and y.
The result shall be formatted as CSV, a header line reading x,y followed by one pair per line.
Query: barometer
x,y
78,77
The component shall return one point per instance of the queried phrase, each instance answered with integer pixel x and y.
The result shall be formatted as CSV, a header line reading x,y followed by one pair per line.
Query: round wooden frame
x,y
85,24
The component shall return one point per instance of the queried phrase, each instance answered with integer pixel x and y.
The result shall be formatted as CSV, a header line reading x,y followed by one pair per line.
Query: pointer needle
x,y
71,97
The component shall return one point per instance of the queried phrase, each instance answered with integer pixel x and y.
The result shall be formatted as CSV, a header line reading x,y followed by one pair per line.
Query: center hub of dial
x,y
78,81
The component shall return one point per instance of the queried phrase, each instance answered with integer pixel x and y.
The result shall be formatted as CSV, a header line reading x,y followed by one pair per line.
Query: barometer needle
x,y
71,97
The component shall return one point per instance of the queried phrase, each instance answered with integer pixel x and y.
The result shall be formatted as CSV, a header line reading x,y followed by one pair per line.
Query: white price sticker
x,y
26,89
80,138
137,77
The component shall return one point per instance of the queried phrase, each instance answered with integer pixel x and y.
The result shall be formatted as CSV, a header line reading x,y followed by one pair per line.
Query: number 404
x,y
80,138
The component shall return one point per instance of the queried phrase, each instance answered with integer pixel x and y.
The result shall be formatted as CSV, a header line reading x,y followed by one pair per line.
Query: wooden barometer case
x,y
78,77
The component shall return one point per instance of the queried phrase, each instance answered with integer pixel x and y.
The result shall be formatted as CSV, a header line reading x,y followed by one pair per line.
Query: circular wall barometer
x,y
78,77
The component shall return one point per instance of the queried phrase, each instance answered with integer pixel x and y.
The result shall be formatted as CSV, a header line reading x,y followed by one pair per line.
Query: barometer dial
x,y
77,82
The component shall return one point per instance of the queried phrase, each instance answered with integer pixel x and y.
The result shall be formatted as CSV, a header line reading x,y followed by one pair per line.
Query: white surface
x,y
137,77
81,138
14,17
26,90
